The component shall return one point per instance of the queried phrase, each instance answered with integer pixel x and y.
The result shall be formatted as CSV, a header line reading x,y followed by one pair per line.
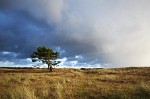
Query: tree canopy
x,y
46,55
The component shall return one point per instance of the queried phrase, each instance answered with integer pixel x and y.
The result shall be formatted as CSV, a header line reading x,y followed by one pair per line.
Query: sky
x,y
87,33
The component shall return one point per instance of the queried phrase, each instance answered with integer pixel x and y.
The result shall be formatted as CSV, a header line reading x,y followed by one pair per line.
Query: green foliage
x,y
46,55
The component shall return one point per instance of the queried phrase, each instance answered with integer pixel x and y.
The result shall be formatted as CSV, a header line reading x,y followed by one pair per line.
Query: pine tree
x,y
47,56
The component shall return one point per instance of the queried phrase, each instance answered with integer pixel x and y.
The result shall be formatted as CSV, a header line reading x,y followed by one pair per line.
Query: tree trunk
x,y
48,66
50,69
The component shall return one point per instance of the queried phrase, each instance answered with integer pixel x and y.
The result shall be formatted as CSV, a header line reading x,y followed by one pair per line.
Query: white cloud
x,y
11,54
17,63
119,30
78,57
6,64
5,53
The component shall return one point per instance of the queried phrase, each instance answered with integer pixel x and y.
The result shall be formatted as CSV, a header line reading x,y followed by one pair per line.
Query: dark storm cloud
x,y
15,34
21,32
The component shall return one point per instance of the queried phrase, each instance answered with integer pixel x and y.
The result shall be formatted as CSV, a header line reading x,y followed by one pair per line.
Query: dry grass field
x,y
123,83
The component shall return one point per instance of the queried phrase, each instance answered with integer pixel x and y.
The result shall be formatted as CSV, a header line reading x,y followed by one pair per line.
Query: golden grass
x,y
123,83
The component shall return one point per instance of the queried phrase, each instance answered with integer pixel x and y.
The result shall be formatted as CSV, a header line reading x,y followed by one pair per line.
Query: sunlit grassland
x,y
123,83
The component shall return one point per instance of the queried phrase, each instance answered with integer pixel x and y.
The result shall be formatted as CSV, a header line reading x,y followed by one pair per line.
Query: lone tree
x,y
47,56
